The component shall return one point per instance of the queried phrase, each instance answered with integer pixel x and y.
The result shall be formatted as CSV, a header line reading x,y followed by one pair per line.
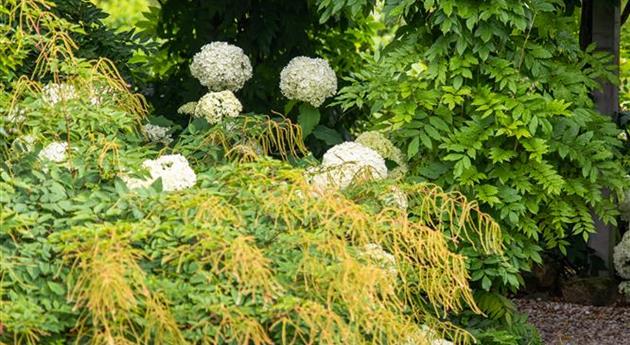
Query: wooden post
x,y
601,25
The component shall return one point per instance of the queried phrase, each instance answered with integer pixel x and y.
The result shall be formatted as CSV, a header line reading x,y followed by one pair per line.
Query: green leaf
x,y
327,135
414,147
476,275
486,283
426,141
289,106
57,288
308,118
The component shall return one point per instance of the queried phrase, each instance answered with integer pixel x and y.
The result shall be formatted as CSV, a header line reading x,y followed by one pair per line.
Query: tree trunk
x,y
600,24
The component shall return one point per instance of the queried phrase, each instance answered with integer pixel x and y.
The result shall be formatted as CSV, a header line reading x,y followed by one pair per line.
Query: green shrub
x,y
271,33
493,99
249,254
77,24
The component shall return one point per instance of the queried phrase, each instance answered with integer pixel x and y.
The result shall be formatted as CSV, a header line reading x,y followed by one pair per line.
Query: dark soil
x,y
572,324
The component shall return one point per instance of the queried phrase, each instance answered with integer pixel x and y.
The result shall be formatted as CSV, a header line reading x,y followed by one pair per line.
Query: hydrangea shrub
x,y
221,66
308,80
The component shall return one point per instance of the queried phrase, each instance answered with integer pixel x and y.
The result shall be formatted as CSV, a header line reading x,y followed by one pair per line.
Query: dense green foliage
x,y
624,91
249,254
271,33
85,28
486,98
494,100
97,40
624,66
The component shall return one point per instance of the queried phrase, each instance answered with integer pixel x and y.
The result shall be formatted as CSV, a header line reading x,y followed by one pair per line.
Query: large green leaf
x,y
308,118
327,135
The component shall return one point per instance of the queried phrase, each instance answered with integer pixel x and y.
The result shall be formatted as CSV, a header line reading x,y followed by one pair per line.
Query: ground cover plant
x,y
115,231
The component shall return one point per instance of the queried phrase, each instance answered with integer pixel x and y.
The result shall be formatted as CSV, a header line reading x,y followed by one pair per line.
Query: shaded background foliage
x,y
271,33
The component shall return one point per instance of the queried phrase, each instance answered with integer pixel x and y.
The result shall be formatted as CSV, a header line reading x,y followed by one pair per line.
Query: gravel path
x,y
572,324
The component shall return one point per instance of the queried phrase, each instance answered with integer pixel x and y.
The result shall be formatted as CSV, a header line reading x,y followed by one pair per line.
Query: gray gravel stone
x,y
572,324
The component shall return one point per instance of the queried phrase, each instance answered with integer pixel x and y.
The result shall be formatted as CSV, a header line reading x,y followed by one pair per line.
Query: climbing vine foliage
x,y
493,98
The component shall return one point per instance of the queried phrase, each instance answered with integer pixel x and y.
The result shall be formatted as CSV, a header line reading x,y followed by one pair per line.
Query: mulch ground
x,y
572,324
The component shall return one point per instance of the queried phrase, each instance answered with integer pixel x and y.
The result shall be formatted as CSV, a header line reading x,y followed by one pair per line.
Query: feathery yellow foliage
x,y
283,263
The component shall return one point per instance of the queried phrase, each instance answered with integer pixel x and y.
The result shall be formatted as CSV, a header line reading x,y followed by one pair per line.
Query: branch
x,y
626,13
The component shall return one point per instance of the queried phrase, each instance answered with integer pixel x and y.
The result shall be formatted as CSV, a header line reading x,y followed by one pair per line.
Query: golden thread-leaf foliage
x,y
288,259
247,138
34,29
237,229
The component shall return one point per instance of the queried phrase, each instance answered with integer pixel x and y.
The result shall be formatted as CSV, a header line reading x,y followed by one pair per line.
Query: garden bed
x,y
569,324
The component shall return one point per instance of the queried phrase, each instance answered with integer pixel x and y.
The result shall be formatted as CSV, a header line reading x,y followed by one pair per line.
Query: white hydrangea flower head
x,y
395,197
53,93
346,163
135,183
375,253
157,134
54,152
16,116
624,289
379,143
174,170
621,256
325,179
214,106
221,66
98,93
14,119
309,80
187,108
26,142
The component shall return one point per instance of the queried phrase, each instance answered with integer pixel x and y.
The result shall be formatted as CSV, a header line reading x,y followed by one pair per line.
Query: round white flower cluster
x,y
14,119
308,80
174,170
16,116
135,183
214,106
98,94
221,66
621,256
379,143
25,142
54,152
157,134
346,163
395,197
187,108
54,93
375,253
